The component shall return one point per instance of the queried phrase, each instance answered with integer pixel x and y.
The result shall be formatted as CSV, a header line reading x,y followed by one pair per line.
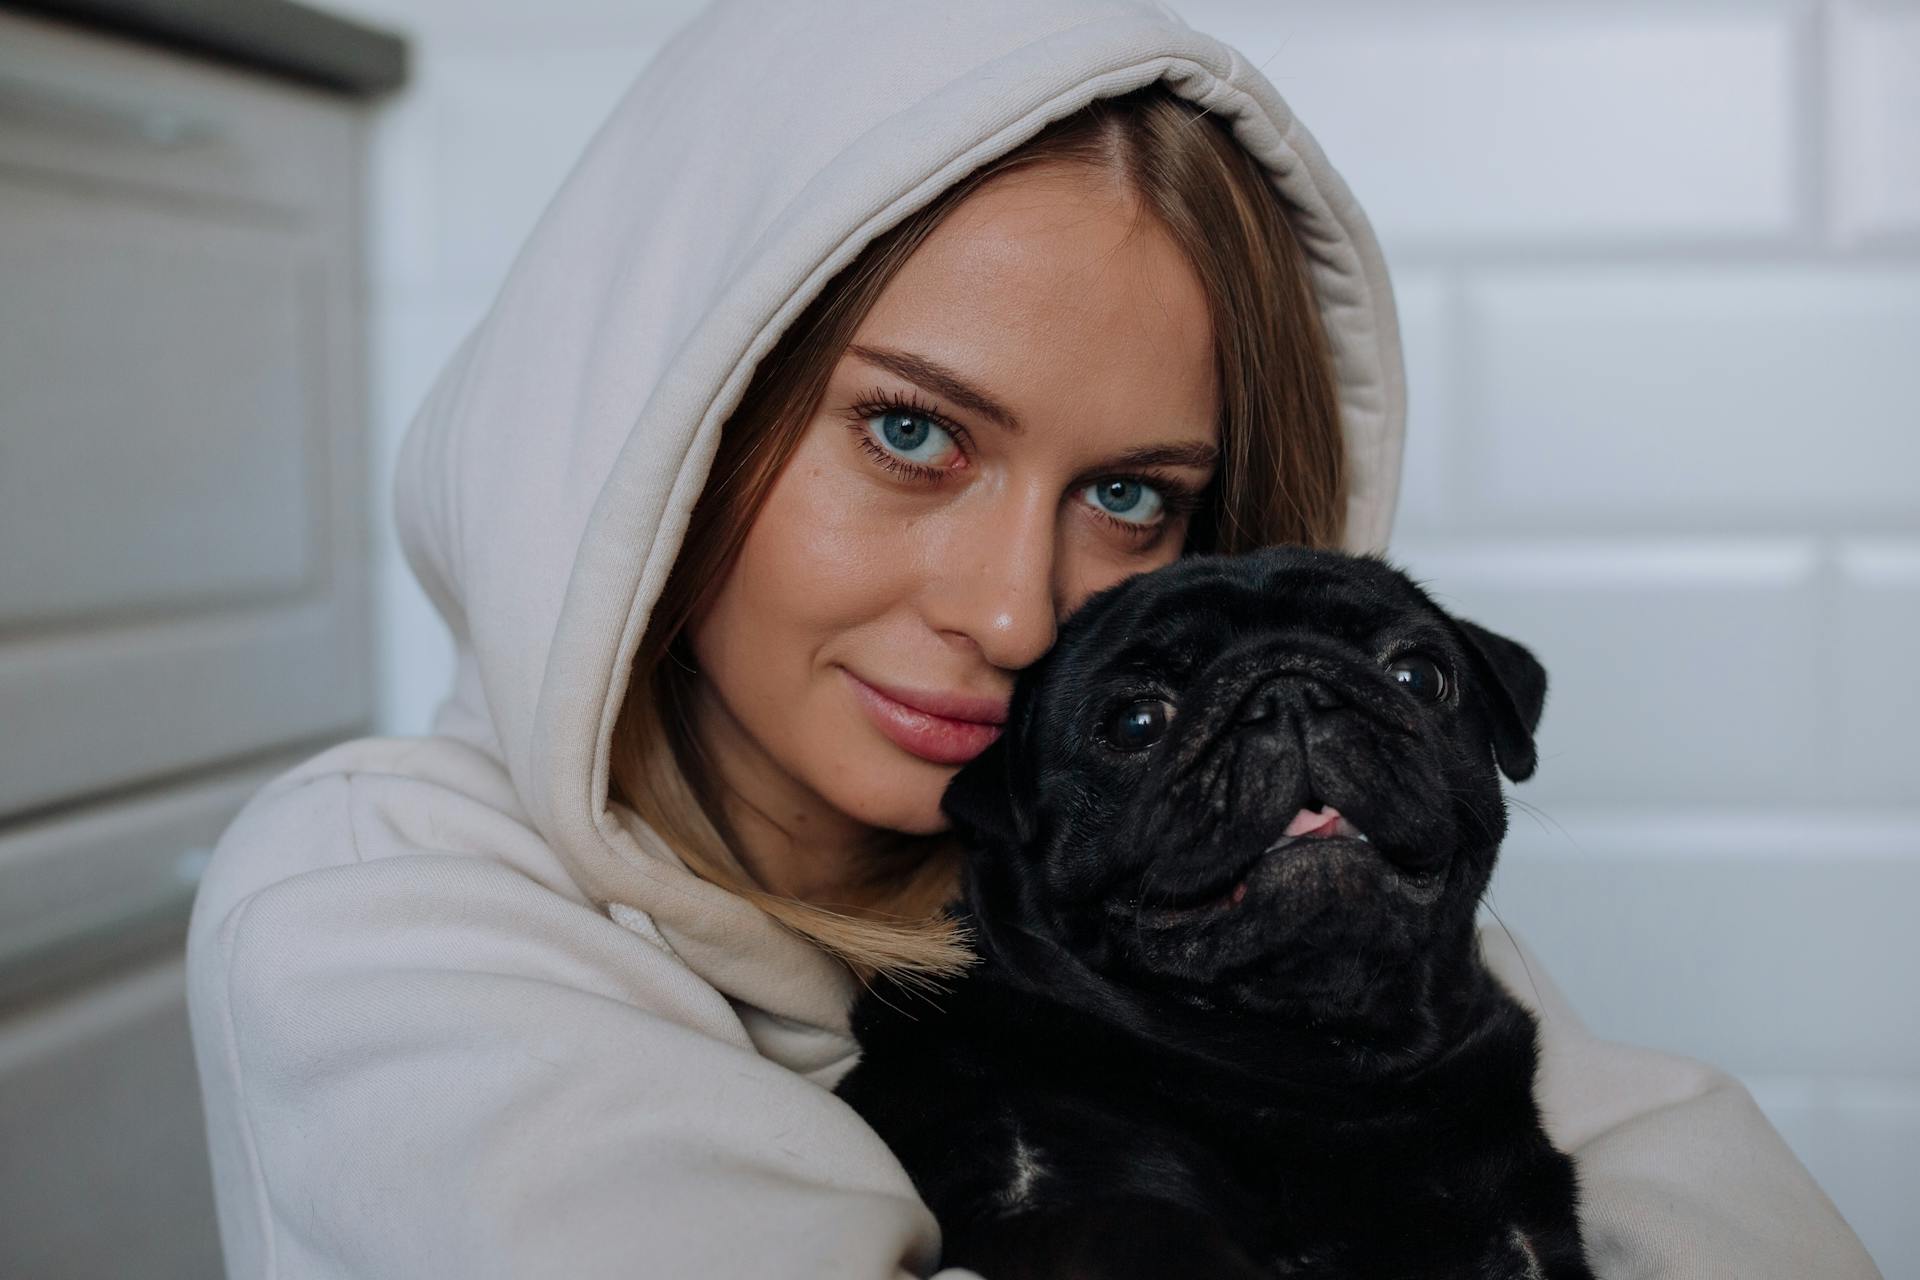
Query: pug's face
x,y
1259,781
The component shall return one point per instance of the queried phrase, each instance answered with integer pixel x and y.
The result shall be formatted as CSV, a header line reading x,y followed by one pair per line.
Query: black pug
x,y
1230,1016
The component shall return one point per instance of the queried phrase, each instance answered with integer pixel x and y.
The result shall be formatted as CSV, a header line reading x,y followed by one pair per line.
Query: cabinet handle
x,y
71,111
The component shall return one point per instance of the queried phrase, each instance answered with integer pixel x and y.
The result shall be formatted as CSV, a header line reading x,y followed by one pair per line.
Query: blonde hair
x,y
1281,478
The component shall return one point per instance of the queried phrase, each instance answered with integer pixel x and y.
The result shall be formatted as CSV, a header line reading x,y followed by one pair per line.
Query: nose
x,y
1279,695
998,593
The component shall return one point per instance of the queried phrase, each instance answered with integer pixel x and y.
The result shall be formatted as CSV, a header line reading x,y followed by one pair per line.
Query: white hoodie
x,y
454,1016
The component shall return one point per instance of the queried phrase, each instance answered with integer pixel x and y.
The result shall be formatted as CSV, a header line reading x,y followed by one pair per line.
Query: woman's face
x,y
1015,426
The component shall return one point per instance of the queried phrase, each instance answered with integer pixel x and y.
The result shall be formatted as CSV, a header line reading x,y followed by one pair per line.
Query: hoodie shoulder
x,y
369,799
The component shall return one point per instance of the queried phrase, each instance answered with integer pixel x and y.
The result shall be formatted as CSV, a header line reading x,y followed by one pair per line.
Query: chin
x,y
918,815
903,796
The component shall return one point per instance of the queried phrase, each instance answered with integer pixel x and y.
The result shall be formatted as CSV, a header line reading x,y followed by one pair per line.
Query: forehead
x,y
1052,289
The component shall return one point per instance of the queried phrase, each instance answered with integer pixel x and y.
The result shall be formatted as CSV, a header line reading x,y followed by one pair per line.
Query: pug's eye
x,y
1139,724
1420,676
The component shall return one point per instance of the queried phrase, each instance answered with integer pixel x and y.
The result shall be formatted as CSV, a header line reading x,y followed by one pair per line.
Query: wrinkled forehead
x,y
1191,609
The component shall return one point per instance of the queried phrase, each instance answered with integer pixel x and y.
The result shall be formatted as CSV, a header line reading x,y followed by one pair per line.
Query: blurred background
x,y
1658,267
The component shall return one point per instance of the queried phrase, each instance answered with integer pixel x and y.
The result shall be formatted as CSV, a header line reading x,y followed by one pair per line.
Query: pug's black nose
x,y
1264,705
1321,698
1267,704
1295,695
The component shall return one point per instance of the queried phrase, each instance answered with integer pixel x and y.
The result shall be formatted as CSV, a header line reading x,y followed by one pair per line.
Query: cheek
x,y
817,582
1093,568
816,558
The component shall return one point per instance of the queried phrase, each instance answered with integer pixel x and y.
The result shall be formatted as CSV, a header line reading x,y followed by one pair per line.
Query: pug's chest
x,y
1300,1179
1003,1112
1390,1193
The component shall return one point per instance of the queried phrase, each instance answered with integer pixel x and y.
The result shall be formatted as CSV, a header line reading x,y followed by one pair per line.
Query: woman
x,y
848,360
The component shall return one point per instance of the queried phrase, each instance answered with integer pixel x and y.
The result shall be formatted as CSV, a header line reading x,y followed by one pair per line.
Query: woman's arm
x,y
1681,1176
422,1063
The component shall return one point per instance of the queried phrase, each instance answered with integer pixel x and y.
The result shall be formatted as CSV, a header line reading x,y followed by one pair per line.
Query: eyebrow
x,y
940,380
937,378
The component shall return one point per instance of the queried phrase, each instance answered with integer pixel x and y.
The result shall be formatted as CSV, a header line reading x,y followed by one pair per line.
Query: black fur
x,y
1146,1077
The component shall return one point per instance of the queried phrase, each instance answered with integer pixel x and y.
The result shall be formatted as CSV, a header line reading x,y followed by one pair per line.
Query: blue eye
x,y
908,434
1128,501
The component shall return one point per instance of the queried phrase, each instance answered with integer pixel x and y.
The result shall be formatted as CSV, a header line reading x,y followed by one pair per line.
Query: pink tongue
x,y
1310,823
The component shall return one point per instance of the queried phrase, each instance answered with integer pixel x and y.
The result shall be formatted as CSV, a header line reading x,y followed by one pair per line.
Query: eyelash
x,y
1177,498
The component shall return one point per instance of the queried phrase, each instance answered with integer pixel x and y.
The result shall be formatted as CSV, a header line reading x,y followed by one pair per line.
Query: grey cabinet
x,y
104,1168
184,595
182,555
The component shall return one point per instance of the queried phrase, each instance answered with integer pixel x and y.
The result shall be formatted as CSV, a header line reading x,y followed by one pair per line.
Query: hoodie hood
x,y
546,483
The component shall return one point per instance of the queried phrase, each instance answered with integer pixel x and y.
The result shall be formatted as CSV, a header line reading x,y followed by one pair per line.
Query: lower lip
x,y
931,737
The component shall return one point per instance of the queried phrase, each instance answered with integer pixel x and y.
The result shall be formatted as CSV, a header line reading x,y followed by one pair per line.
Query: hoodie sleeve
x,y
1681,1176
426,1063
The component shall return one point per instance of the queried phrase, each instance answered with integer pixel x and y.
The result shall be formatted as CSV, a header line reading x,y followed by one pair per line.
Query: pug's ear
x,y
982,802
1516,693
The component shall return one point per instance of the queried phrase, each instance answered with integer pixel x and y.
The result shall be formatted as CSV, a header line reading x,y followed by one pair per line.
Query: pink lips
x,y
942,727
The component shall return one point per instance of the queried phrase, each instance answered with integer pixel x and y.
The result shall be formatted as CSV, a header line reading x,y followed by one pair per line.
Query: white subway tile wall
x,y
1429,486
1659,279
1875,727
1874,70
1731,396
1525,124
